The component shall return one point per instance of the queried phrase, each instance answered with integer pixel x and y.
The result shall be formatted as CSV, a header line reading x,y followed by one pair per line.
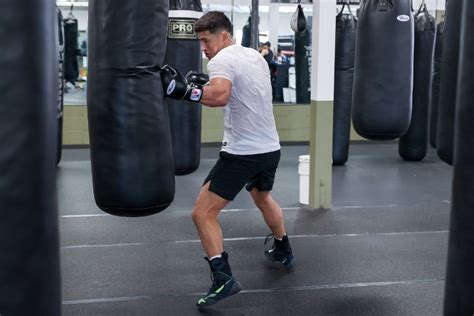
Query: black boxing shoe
x,y
281,250
223,283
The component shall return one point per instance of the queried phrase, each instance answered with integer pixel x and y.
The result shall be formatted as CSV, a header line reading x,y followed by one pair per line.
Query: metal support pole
x,y
254,21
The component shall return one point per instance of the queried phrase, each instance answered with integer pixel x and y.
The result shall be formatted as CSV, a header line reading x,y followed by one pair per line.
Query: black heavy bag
x,y
71,49
184,53
346,25
131,153
302,74
186,5
302,57
383,77
29,246
246,31
60,100
459,290
449,70
413,145
435,84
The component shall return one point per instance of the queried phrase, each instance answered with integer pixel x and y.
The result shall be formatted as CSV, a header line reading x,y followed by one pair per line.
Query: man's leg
x,y
205,213
271,211
281,250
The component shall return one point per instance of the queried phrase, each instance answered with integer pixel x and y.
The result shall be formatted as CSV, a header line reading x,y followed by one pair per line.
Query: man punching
x,y
240,83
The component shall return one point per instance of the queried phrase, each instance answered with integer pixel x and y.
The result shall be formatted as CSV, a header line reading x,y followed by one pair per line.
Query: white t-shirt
x,y
249,124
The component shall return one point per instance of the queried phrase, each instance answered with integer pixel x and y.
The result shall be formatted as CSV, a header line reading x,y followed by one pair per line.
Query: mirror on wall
x,y
281,47
75,19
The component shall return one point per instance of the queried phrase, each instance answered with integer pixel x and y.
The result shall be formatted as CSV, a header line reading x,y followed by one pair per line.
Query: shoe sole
x,y
236,288
279,263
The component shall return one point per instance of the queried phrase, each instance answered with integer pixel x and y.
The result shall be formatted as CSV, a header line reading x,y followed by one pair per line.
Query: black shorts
x,y
232,172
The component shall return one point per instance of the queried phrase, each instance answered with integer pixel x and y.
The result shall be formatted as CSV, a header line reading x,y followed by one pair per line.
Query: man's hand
x,y
176,86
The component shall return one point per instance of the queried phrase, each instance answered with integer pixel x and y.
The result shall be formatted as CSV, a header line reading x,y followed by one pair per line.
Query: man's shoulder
x,y
237,50
224,54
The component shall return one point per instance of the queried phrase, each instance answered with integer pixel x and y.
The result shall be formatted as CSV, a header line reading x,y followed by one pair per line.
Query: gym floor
x,y
381,249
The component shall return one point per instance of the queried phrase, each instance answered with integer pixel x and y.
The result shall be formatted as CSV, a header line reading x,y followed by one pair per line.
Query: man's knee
x,y
200,214
263,200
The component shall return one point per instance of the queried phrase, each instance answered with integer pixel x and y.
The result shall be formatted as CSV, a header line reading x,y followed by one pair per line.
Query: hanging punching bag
x,y
184,53
459,288
29,245
71,48
413,145
302,56
449,70
346,25
246,31
383,77
60,101
435,85
131,152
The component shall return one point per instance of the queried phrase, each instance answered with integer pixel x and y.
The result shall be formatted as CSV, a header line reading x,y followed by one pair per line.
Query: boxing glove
x,y
199,79
176,86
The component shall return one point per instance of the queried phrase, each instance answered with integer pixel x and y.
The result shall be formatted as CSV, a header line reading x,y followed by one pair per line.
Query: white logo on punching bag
x,y
403,18
171,87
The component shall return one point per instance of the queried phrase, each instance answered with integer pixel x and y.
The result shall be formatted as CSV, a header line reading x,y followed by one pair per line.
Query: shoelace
x,y
211,276
268,238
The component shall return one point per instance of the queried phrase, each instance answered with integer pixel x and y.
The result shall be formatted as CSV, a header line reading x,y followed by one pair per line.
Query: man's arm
x,y
190,88
217,92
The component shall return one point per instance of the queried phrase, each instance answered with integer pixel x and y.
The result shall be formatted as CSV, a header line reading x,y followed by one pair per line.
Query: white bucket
x,y
289,95
303,171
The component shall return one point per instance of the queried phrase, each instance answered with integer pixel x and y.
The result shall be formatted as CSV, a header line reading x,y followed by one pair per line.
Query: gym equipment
x,y
60,101
383,76
346,25
246,33
302,71
198,79
131,152
413,145
436,84
29,245
191,5
298,20
449,79
302,58
71,48
459,286
176,85
184,53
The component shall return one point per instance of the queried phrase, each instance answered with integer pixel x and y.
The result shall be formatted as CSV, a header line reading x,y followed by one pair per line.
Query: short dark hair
x,y
213,21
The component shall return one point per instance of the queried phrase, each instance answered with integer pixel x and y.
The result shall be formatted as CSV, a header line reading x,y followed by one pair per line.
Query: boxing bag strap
x,y
137,70
348,8
422,8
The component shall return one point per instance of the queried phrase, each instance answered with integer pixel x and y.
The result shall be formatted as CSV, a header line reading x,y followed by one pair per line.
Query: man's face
x,y
211,44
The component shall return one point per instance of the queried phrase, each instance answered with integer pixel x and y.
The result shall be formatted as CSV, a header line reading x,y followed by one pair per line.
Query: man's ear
x,y
226,36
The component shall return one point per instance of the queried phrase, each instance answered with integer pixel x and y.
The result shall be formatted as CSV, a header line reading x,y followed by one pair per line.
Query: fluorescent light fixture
x,y
77,4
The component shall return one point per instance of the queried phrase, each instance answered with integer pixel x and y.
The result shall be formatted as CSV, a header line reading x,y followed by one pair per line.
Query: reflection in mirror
x,y
75,51
276,44
274,29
